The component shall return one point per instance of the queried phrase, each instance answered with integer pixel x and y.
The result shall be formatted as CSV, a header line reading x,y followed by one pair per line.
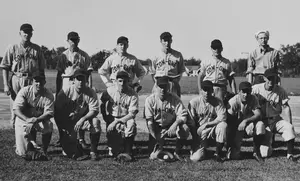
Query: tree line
x,y
289,56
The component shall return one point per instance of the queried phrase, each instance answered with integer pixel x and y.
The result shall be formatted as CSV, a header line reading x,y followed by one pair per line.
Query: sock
x,y
219,147
129,145
33,134
81,135
46,138
256,143
290,146
94,141
178,146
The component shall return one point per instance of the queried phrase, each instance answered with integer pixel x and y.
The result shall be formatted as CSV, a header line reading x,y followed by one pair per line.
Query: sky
x,y
193,24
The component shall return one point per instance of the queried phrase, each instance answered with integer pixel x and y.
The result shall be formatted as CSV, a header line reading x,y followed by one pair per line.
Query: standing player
x,y
170,63
262,58
166,116
119,108
273,99
217,70
22,60
209,114
244,116
121,61
33,107
70,60
76,108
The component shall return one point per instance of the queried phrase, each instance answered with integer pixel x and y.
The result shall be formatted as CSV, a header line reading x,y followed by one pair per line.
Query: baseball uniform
x,y
260,60
22,62
75,60
32,105
162,114
117,105
272,103
240,112
127,62
202,112
172,65
218,71
70,107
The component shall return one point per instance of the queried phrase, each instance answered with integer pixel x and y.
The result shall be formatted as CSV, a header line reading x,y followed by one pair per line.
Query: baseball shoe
x,y
292,159
110,153
94,156
83,144
218,158
258,158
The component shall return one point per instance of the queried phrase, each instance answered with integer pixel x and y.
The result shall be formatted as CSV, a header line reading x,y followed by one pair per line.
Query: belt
x,y
20,74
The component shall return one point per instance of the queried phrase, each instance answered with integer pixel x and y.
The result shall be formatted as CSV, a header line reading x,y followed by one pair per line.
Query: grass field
x,y
60,168
188,84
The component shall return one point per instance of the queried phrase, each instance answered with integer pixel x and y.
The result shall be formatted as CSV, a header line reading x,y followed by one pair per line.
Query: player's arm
x,y
149,115
250,68
20,104
93,104
6,64
90,70
48,109
181,67
231,79
140,71
221,115
288,112
58,82
201,75
181,114
104,72
132,110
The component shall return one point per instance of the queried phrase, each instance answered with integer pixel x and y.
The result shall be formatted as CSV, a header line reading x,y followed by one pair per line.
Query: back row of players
x,y
254,110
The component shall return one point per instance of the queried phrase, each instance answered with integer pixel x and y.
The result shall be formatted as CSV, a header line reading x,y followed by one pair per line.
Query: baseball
x,y
166,157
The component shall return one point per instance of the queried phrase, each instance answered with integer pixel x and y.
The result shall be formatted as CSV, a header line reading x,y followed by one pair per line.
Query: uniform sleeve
x,y
250,63
230,70
139,70
181,65
221,112
88,64
152,67
149,110
255,103
283,96
181,112
232,106
49,105
192,111
61,63
20,101
105,69
93,102
202,68
7,59
134,105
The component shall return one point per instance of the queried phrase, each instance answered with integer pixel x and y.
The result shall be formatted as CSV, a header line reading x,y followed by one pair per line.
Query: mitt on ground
x,y
124,157
162,156
33,154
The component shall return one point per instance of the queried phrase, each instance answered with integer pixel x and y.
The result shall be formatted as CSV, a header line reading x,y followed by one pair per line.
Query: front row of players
x,y
254,111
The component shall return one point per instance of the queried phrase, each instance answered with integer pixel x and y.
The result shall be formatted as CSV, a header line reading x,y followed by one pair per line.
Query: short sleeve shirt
x,y
34,105
203,111
170,64
24,60
166,112
127,62
216,70
270,101
259,61
236,106
79,59
120,104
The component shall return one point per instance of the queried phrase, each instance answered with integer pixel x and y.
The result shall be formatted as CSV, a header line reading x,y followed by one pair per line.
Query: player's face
x,y
73,42
80,81
26,35
262,39
270,82
122,47
122,84
245,94
207,92
217,52
38,84
166,44
162,90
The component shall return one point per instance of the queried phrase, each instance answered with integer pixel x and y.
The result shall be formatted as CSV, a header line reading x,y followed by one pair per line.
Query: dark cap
x,y
216,44
162,80
73,35
271,72
207,84
245,85
122,39
166,36
122,75
79,72
39,75
26,27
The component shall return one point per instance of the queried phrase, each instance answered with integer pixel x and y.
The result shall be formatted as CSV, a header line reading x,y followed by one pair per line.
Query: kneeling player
x,y
33,107
120,104
209,114
166,116
244,116
76,109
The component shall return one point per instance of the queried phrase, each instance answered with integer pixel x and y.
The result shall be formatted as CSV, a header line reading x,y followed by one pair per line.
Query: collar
x,y
264,50
28,44
169,52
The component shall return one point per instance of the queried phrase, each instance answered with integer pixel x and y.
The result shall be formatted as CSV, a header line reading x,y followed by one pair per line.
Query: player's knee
x,y
288,132
48,127
221,128
260,128
183,131
96,124
130,128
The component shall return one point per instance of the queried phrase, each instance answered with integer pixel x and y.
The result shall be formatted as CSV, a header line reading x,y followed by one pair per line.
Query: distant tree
x,y
99,58
60,50
290,59
1,59
192,62
239,66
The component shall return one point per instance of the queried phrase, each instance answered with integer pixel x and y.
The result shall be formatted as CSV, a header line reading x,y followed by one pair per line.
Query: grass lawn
x,y
59,168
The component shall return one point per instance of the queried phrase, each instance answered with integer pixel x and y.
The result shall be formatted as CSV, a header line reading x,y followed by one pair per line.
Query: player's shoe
x,y
94,156
83,144
291,158
258,158
110,153
218,158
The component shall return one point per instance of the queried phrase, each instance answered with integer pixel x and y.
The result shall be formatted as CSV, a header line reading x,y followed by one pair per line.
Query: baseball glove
x,y
124,157
160,155
33,154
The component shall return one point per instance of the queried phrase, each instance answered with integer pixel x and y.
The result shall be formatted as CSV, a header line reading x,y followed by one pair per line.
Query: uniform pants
x,y
22,139
217,133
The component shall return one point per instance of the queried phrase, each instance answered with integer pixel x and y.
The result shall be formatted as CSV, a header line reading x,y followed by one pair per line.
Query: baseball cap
x,y
26,27
80,72
245,85
122,75
73,35
271,72
38,75
166,36
162,80
122,39
259,32
216,44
